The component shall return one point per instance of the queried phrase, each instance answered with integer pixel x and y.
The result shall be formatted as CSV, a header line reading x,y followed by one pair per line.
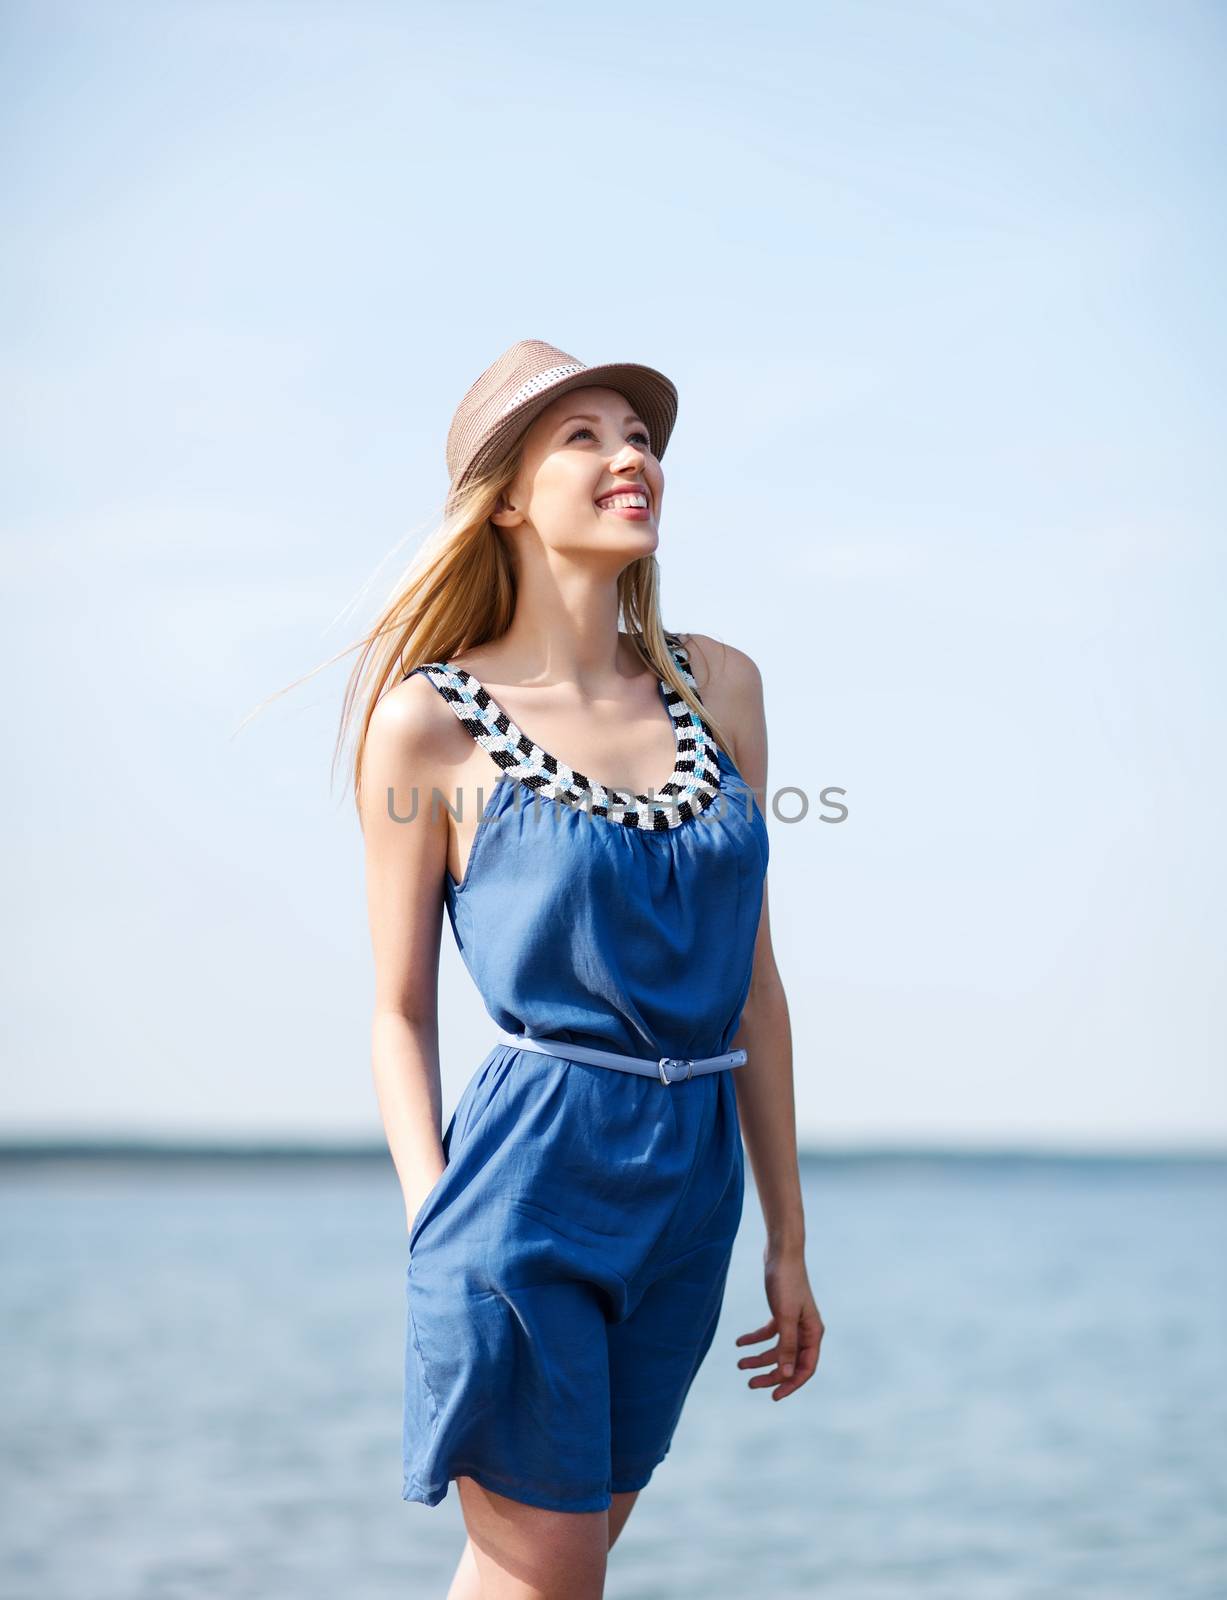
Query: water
x,y
1022,1391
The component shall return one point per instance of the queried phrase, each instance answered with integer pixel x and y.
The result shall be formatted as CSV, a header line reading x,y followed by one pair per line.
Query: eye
x,y
638,434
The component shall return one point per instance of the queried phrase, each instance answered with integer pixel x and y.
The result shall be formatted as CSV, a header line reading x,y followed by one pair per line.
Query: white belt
x,y
646,1066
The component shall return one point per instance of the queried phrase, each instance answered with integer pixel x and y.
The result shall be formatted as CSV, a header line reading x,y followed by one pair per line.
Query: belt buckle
x,y
674,1061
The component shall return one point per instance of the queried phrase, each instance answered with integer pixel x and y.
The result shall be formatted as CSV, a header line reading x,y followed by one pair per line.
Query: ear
x,y
504,514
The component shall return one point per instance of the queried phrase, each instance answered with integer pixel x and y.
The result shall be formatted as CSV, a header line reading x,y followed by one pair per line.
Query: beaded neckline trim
x,y
693,785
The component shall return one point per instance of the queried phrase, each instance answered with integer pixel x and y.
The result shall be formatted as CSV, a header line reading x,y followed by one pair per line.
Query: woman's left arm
x,y
765,1092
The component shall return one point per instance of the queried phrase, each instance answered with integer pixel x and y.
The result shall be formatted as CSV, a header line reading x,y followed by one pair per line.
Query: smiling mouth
x,y
623,502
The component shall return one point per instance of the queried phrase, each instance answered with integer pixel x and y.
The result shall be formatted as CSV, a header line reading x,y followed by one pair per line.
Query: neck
x,y
565,630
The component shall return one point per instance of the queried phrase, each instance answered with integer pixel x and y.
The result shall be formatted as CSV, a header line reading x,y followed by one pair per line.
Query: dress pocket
x,y
455,1140
423,1211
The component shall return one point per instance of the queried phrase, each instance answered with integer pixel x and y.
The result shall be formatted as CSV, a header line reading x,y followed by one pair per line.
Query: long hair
x,y
459,591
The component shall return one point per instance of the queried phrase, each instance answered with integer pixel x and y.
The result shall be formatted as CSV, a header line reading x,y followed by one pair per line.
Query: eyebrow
x,y
586,416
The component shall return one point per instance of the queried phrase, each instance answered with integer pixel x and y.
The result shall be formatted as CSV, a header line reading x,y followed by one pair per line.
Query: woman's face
x,y
583,446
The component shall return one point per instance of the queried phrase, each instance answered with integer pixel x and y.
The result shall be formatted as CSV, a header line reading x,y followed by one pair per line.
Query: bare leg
x,y
466,1585
531,1554
623,1505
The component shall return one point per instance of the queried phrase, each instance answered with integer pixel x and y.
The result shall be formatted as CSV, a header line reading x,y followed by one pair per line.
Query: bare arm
x,y
766,1105
405,863
765,1095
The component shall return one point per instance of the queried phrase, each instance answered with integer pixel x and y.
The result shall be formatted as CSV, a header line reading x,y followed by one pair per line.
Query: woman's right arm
x,y
405,863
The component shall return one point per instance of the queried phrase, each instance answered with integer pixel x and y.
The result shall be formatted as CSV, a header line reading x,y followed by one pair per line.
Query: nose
x,y
628,456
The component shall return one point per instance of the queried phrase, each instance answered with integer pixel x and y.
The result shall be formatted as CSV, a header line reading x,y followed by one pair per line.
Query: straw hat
x,y
523,381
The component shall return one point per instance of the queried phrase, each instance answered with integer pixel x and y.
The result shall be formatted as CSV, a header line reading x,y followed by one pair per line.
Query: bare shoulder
x,y
724,674
413,736
410,718
731,686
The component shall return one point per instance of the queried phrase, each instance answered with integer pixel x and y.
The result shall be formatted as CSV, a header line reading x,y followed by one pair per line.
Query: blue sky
x,y
936,283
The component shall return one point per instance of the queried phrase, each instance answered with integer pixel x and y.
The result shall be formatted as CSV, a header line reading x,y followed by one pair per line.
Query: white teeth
x,y
625,500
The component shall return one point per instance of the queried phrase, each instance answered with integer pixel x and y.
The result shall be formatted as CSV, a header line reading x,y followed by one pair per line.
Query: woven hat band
x,y
544,380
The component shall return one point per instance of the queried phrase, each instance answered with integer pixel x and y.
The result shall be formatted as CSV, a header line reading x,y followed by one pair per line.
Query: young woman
x,y
570,1231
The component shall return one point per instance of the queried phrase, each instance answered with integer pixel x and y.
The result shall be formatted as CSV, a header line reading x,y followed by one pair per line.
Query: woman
x,y
570,1230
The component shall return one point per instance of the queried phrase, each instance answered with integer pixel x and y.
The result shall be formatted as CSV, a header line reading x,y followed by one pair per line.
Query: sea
x,y
1021,1392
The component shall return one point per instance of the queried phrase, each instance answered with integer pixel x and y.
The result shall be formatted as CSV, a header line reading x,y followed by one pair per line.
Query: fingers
x,y
810,1330
804,1368
767,1358
764,1358
793,1359
786,1350
765,1332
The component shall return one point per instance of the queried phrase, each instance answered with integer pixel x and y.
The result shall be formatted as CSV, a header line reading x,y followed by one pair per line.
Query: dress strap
x,y
470,707
678,651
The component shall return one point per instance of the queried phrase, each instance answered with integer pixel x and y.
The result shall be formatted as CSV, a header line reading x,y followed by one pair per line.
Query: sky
x,y
940,287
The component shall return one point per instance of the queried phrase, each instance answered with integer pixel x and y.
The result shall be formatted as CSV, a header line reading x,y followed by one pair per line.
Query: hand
x,y
424,1193
796,1325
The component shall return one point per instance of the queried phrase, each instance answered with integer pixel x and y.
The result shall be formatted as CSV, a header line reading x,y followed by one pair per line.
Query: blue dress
x,y
567,1270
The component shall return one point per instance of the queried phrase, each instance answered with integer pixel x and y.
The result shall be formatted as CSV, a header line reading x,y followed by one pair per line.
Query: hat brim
x,y
653,396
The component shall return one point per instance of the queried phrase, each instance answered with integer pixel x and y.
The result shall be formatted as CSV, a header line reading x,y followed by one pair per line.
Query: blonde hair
x,y
459,592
